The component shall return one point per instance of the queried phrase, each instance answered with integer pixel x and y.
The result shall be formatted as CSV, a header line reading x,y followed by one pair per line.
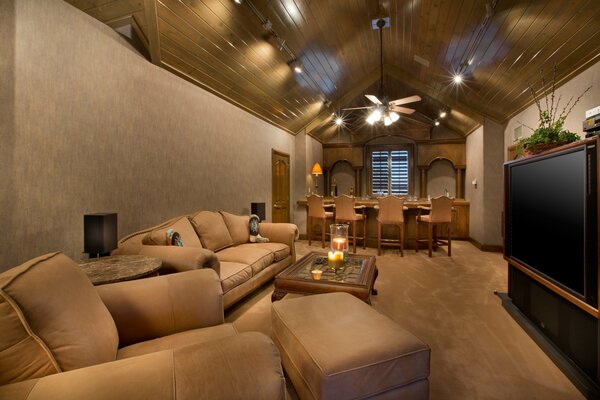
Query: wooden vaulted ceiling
x,y
499,45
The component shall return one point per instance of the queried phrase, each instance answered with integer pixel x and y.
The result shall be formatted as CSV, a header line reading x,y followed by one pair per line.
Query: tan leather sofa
x,y
155,338
218,240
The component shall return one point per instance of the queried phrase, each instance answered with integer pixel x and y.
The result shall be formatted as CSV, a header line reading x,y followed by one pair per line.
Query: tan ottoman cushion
x,y
335,346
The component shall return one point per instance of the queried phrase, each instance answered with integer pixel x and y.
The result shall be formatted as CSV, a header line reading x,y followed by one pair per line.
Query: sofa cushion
x,y
52,320
211,229
176,340
182,225
258,258
238,226
234,274
279,250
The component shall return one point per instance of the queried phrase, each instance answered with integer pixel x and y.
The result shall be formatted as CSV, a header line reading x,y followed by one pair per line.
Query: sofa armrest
x,y
245,366
148,308
280,233
175,259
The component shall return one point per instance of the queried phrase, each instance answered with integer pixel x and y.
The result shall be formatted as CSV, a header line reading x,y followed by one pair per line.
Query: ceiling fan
x,y
386,111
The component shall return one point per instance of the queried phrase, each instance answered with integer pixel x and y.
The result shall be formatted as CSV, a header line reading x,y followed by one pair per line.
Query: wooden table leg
x,y
373,290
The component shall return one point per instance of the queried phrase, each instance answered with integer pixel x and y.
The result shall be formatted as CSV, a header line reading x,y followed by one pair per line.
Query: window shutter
x,y
380,176
399,172
389,172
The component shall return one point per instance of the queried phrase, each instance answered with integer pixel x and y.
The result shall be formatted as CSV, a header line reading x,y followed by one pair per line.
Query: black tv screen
x,y
546,217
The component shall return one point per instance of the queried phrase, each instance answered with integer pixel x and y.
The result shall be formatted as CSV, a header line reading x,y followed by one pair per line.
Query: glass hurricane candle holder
x,y
335,259
339,238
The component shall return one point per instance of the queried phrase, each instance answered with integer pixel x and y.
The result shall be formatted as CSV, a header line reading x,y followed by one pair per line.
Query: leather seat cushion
x,y
279,250
338,347
176,340
258,258
234,274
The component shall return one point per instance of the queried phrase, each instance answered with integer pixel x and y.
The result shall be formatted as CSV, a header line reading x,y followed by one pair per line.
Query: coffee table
x,y
357,277
119,268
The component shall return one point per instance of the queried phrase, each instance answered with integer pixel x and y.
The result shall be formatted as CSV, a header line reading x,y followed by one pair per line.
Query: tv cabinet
x,y
553,291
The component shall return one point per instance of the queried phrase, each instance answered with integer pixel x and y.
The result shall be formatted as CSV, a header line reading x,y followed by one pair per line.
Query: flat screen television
x,y
551,218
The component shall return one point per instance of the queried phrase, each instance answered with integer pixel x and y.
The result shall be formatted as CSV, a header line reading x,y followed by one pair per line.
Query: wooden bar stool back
x,y
440,214
345,211
316,211
391,212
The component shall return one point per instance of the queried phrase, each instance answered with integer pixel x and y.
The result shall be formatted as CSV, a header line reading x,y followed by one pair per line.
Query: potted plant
x,y
550,132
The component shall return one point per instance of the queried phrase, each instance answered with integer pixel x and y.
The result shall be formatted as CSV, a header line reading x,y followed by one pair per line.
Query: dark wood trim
x,y
492,248
151,15
442,141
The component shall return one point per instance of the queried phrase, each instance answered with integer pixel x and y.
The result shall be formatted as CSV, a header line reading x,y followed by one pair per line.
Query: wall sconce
x,y
316,171
99,234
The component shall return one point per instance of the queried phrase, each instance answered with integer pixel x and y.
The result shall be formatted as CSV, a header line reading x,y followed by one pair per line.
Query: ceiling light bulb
x,y
370,120
339,121
437,123
394,116
238,1
457,78
298,69
387,121
376,115
443,114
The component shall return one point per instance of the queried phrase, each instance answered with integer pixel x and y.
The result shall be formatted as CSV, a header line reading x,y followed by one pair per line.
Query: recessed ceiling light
x,y
443,114
437,123
457,78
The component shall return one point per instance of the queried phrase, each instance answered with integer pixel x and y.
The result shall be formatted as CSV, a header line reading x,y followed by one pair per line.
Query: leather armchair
x,y
155,338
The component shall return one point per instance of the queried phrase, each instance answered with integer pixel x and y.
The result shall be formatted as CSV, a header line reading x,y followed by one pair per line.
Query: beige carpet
x,y
477,350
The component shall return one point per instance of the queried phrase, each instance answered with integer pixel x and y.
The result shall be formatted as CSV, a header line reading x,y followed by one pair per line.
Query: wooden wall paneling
x,y
429,152
352,154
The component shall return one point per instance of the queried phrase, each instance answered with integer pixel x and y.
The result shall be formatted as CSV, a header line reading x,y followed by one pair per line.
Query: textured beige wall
x,y
484,163
308,151
575,88
97,128
474,195
7,138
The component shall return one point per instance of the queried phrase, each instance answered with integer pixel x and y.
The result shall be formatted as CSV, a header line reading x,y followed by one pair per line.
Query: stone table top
x,y
119,268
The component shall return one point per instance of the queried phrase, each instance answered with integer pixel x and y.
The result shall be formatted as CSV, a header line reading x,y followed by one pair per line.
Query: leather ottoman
x,y
334,346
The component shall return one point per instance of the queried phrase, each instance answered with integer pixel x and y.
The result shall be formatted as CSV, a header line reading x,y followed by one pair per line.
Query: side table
x,y
119,268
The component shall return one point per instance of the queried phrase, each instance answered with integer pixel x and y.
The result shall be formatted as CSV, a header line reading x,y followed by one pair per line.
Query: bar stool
x,y
391,212
440,213
316,210
345,211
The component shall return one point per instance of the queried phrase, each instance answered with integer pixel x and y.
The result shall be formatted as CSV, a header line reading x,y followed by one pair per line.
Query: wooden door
x,y
280,167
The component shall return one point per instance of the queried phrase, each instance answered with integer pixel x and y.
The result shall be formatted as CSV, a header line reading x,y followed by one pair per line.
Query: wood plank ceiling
x,y
498,45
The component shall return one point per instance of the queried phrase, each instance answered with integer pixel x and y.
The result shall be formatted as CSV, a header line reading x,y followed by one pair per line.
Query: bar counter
x,y
460,221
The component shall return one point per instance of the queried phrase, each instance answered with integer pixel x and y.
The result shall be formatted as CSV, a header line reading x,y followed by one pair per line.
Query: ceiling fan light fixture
x,y
394,116
375,115
387,121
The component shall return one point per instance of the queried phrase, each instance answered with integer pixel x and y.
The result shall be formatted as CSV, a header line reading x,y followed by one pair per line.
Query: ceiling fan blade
x,y
374,99
402,110
355,108
410,99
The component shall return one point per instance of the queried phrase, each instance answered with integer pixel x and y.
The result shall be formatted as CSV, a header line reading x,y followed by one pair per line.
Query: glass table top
x,y
351,272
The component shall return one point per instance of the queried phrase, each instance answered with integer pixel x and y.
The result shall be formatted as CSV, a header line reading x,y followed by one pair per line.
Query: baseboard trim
x,y
486,247
580,380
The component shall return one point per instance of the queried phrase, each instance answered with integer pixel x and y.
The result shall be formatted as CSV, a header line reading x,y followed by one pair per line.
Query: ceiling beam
x,y
325,115
152,24
414,83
